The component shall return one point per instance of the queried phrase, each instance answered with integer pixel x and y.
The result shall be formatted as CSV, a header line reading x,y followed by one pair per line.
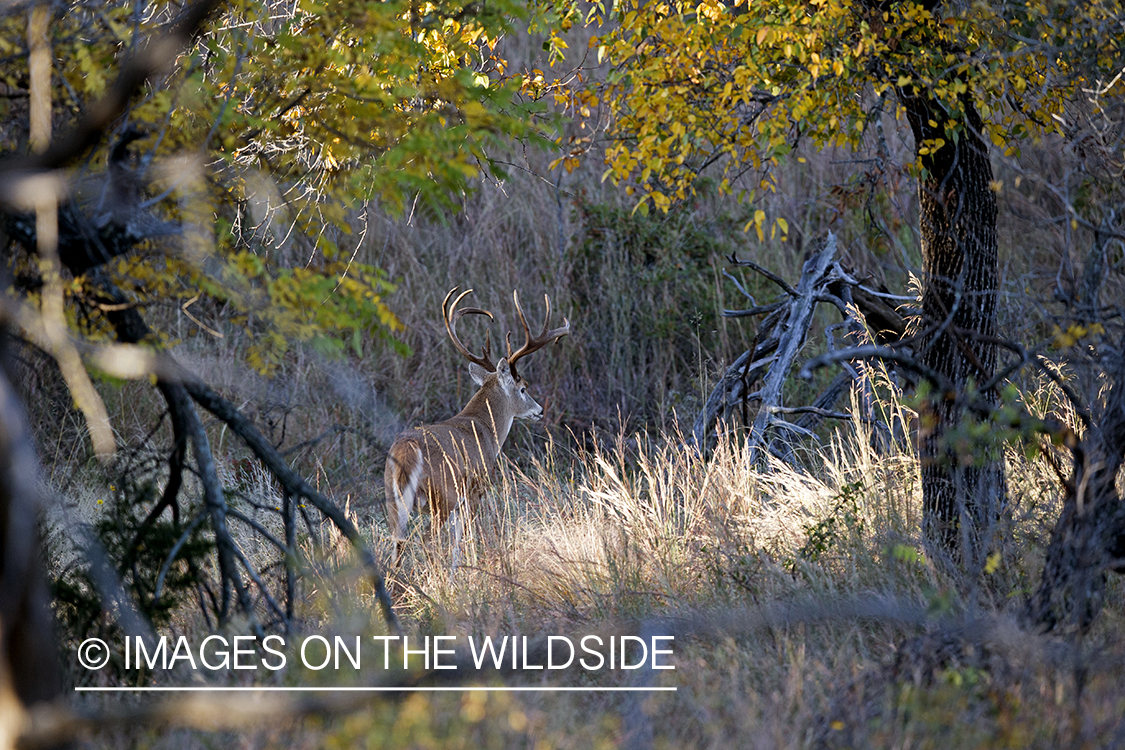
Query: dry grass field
x,y
791,589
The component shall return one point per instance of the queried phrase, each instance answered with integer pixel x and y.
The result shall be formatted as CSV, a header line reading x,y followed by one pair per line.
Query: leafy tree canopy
x,y
262,138
742,84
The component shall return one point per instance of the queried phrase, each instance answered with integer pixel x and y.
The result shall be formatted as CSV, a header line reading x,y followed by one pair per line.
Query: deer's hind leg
x,y
457,527
448,515
403,477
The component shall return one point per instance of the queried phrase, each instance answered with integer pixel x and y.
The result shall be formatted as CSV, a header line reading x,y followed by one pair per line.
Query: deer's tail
x,y
402,478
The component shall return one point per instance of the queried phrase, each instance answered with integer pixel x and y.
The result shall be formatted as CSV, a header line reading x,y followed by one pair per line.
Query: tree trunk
x,y
962,495
1089,537
30,669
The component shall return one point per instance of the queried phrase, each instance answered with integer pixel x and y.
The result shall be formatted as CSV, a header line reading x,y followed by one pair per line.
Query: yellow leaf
x,y
992,564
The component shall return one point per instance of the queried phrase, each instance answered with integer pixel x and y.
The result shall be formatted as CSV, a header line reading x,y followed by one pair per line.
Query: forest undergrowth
x,y
790,587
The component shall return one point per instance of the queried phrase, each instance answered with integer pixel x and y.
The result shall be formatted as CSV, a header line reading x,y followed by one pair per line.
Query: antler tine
x,y
451,315
534,343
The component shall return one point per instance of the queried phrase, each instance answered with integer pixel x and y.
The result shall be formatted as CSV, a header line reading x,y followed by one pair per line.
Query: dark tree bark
x,y
30,670
962,500
1089,538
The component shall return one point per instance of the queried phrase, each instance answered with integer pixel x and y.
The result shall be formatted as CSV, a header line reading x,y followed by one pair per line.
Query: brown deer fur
x,y
443,469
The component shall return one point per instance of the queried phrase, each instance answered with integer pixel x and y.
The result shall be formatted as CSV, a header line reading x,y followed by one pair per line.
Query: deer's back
x,y
457,456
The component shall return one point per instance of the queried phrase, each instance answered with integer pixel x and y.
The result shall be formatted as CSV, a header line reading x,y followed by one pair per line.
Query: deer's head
x,y
501,378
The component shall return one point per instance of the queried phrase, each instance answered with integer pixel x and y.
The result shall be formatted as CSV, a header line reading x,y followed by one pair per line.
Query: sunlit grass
x,y
644,526
610,526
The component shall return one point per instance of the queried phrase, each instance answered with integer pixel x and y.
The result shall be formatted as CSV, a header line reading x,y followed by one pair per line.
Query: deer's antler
x,y
534,343
451,316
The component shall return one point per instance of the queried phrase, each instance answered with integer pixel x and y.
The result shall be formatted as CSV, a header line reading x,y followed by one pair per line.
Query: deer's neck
x,y
490,407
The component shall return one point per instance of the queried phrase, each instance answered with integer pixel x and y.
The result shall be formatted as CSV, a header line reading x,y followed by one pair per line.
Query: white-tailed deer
x,y
444,468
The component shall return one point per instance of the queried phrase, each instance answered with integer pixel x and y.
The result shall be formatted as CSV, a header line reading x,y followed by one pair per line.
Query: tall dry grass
x,y
766,562
601,515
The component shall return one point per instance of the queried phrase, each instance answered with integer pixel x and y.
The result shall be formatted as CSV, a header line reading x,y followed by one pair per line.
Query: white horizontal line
x,y
443,689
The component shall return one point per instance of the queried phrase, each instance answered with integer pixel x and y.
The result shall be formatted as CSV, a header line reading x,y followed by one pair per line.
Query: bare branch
x,y
292,483
765,272
793,338
216,505
172,555
759,310
898,357
738,285
257,579
818,411
262,531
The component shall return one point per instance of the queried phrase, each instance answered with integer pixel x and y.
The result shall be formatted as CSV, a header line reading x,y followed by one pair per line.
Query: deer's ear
x,y
504,373
478,373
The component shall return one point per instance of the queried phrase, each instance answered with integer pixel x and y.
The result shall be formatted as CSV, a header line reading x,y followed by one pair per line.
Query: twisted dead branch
x,y
781,336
